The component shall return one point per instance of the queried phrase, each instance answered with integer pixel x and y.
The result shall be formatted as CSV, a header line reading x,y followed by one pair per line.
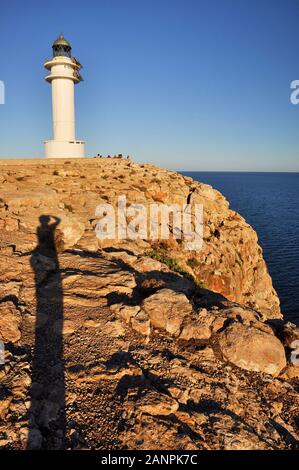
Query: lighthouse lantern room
x,y
64,73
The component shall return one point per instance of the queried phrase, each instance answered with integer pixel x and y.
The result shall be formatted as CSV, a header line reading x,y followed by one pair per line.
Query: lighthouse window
x,y
61,51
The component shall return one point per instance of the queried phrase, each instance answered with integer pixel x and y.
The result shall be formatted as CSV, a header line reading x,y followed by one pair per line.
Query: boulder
x,y
141,323
126,312
252,349
167,309
114,329
197,329
68,232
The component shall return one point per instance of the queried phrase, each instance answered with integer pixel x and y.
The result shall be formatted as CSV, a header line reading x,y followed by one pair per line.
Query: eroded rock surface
x,y
230,262
107,348
252,349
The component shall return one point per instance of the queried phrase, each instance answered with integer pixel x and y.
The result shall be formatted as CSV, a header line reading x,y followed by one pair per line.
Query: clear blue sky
x,y
186,84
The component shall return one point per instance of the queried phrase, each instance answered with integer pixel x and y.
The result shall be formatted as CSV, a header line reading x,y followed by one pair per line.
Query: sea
x,y
270,204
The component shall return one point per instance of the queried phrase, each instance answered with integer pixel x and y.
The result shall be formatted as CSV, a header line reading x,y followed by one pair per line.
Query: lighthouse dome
x,y
61,41
61,47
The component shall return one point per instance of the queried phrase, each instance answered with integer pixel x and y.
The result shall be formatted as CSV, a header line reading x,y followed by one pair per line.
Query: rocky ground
x,y
130,345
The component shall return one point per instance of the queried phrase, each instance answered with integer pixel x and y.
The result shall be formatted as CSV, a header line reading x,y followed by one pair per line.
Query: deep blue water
x,y
270,203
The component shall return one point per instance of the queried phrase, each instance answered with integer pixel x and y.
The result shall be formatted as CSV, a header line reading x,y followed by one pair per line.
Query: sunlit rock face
x,y
135,344
230,261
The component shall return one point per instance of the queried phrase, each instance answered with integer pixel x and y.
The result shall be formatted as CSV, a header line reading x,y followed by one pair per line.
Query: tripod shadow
x,y
47,409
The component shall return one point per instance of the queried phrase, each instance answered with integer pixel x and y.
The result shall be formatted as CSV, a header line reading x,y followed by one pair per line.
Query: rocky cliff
x,y
135,344
230,262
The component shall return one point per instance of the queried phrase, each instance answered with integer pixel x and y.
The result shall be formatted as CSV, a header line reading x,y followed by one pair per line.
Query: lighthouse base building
x,y
64,73
64,149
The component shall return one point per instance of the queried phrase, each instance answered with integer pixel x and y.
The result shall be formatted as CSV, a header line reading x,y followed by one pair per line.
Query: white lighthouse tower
x,y
64,73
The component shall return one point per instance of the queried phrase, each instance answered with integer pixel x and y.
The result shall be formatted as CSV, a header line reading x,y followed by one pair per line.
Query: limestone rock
x,y
68,232
68,327
126,312
290,334
91,324
143,357
9,322
199,328
141,323
230,261
291,372
252,349
157,404
113,329
10,224
28,198
167,309
4,407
